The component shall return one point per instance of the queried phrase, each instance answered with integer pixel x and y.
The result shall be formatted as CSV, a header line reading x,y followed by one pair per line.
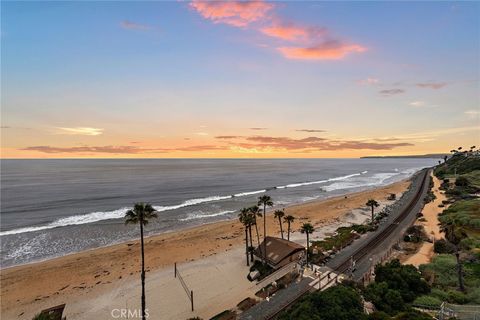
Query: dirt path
x,y
431,225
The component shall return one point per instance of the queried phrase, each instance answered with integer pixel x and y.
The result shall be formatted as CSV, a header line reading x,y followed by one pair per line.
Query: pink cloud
x,y
235,13
328,50
310,42
290,31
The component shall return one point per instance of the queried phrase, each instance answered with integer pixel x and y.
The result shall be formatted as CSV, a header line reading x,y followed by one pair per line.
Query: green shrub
x,y
457,297
404,278
413,315
384,299
427,301
462,181
379,315
441,295
441,271
335,303
443,246
473,296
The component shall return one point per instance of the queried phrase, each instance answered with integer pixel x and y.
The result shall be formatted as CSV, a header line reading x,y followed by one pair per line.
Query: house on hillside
x,y
280,252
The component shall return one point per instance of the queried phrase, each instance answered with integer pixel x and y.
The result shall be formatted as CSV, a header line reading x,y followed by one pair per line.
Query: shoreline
x,y
122,242
72,278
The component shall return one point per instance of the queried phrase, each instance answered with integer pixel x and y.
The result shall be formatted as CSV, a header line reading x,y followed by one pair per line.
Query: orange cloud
x,y
235,13
310,144
120,149
89,149
328,50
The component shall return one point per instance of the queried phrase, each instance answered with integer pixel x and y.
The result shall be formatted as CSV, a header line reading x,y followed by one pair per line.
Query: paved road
x,y
287,296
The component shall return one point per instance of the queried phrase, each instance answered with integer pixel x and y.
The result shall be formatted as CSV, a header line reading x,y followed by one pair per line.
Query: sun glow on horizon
x,y
238,79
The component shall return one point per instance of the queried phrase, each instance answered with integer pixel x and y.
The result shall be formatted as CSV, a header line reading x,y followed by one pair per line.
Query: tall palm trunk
x,y
308,246
246,244
143,269
251,242
288,233
281,228
372,214
460,271
256,230
264,232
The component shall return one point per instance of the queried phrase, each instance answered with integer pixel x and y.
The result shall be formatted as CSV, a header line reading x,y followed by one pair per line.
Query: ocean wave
x,y
191,202
194,216
117,214
375,180
120,213
308,183
72,220
243,194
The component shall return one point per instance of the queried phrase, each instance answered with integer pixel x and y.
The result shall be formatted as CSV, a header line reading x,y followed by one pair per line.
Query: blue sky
x,y
173,76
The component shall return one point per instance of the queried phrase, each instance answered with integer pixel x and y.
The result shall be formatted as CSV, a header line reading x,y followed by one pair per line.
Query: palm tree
x,y
256,212
265,200
244,218
279,214
289,219
455,235
308,229
141,214
372,204
251,222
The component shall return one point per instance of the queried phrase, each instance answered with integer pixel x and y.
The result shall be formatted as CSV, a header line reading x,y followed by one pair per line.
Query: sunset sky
x,y
238,79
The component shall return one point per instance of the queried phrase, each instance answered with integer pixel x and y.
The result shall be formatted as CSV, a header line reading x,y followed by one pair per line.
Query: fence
x,y
184,285
464,312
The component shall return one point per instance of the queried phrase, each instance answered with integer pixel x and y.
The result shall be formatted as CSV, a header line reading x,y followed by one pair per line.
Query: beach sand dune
x,y
93,282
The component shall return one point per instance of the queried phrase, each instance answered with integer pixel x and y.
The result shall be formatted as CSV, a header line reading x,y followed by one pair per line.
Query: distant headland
x,y
432,155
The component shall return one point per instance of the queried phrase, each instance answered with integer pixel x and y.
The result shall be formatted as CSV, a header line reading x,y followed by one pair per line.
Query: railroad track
x,y
385,233
361,252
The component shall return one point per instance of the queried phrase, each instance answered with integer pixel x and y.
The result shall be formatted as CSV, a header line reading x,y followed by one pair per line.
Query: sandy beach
x,y
211,256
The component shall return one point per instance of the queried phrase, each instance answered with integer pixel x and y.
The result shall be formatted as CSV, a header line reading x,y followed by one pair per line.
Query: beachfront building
x,y
280,252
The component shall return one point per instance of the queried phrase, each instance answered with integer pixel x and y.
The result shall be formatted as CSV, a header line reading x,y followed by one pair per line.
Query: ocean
x,y
50,208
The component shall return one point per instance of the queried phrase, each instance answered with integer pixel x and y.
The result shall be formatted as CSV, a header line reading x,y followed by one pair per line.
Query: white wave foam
x,y
243,194
301,184
376,179
191,202
119,213
116,214
200,216
73,220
